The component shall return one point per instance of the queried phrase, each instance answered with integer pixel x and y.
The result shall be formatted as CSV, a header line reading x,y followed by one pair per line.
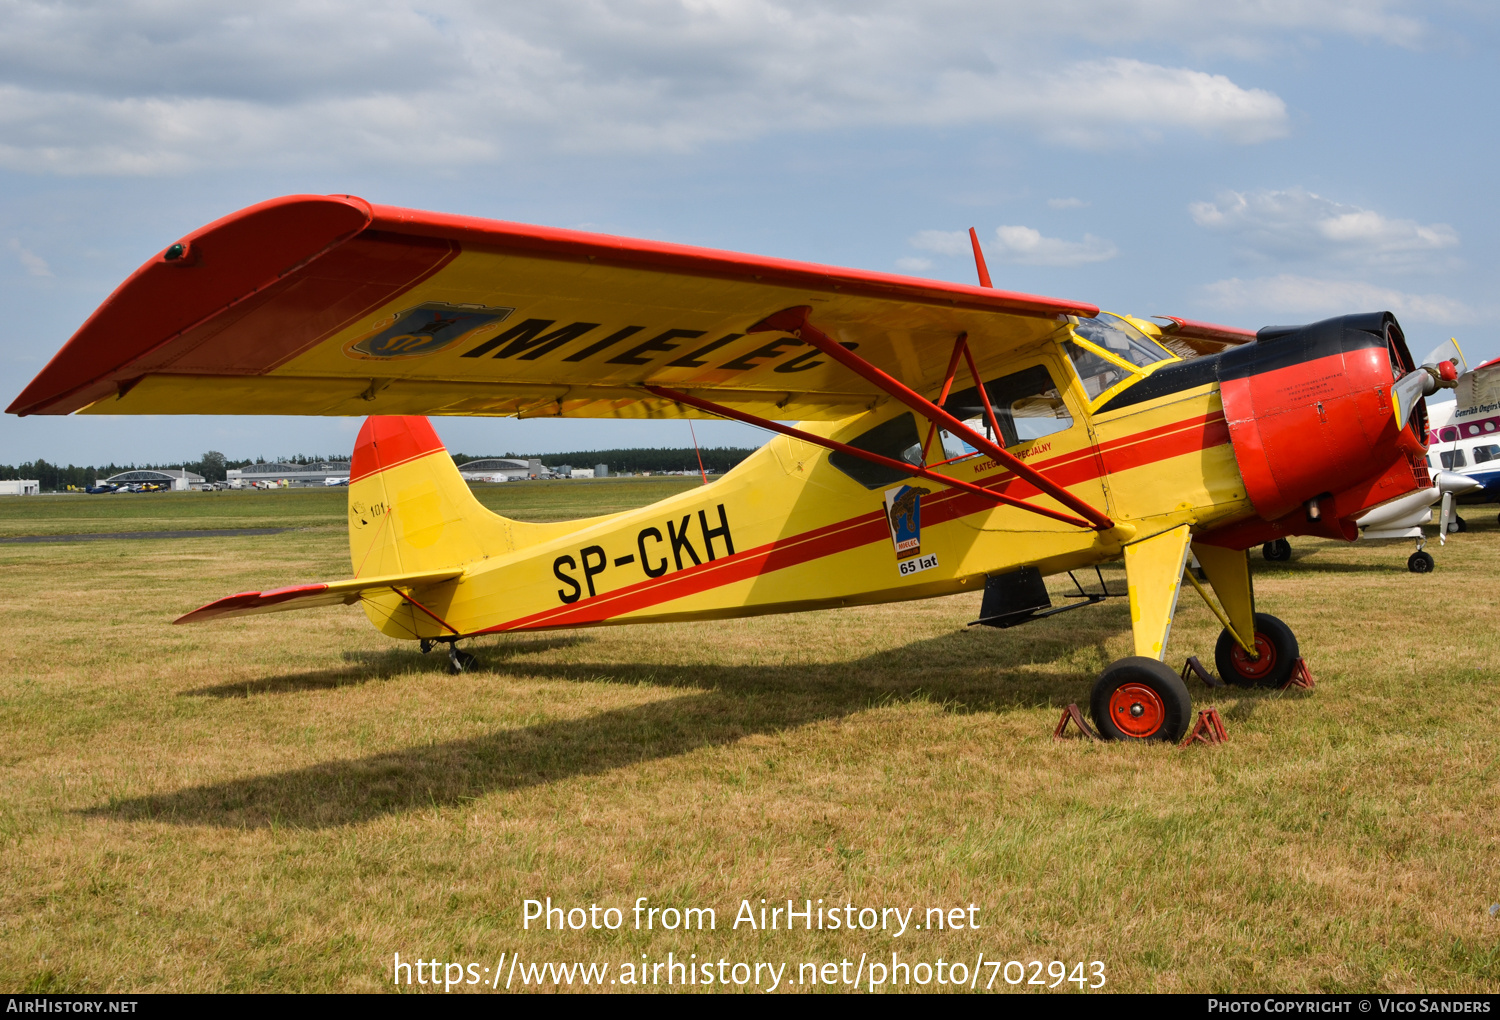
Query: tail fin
x,y
410,510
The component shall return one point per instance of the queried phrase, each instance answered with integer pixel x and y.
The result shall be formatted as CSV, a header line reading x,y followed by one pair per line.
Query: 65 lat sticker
x,y
917,564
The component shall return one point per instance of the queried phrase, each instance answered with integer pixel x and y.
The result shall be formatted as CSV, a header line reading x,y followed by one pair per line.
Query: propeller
x,y
1449,351
1440,370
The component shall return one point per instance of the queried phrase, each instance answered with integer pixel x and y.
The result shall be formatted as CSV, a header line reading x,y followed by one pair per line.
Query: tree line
x,y
716,459
213,464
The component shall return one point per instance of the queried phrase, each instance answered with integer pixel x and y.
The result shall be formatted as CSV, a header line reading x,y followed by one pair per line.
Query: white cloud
x,y
1023,246
1027,247
1066,203
942,242
913,265
162,86
35,265
1287,298
1295,224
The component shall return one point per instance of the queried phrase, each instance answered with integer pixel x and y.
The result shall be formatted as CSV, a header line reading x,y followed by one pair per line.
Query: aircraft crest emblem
x,y
429,328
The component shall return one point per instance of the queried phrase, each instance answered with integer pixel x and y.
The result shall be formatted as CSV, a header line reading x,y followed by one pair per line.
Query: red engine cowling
x,y
1311,423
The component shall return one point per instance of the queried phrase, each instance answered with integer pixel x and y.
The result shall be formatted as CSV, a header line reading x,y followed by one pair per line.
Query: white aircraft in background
x,y
1465,435
1463,459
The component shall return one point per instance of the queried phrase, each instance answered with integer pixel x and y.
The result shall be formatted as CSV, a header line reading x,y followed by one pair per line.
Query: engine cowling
x,y
1310,418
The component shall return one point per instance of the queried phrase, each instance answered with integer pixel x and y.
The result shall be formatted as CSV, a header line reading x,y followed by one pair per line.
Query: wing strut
x,y
794,321
874,458
424,609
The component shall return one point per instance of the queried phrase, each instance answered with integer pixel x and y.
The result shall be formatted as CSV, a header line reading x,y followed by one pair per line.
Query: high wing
x,y
309,596
328,305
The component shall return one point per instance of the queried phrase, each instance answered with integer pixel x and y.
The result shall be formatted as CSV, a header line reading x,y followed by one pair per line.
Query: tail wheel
x,y
1275,659
1420,562
1140,699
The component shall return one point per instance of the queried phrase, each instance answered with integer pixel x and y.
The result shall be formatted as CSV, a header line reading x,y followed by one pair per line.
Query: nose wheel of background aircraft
x,y
1420,562
1277,654
1140,699
1277,550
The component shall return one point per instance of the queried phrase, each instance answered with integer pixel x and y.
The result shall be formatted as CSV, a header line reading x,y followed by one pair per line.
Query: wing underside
x,y
331,306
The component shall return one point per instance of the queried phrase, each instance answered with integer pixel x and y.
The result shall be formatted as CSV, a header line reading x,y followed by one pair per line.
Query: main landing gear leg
x,y
1139,697
1421,561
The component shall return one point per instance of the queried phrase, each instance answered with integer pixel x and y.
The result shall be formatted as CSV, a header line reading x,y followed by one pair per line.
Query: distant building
x,y
601,470
20,487
179,480
582,473
265,475
496,469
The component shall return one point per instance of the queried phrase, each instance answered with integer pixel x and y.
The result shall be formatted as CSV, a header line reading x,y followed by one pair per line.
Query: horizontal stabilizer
x,y
307,596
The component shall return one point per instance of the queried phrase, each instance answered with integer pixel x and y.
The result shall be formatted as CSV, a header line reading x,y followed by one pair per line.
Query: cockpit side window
x,y
1121,339
1096,374
1027,406
896,439
1118,337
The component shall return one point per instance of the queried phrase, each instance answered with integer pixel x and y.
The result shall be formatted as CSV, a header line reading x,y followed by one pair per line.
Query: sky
x,y
1250,162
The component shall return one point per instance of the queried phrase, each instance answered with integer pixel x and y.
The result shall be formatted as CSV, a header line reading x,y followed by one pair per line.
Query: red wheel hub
x,y
1254,669
1137,710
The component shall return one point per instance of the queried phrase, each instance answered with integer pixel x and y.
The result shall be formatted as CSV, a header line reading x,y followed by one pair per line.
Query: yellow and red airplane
x,y
951,438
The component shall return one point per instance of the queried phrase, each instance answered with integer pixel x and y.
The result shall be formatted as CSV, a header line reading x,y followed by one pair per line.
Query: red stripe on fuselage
x,y
1073,468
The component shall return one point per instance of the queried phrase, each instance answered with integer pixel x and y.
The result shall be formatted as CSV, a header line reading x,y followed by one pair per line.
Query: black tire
x,y
1420,562
1277,551
1151,701
1459,524
461,662
1278,649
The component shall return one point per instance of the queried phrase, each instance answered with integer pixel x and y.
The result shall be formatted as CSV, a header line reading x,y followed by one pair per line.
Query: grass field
x,y
283,803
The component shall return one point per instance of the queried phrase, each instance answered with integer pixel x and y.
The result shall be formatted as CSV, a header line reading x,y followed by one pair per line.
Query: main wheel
x,y
1277,550
1140,699
1420,562
460,661
1276,648
1459,524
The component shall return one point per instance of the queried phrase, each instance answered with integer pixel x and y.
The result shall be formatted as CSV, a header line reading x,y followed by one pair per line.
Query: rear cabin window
x,y
896,439
1485,454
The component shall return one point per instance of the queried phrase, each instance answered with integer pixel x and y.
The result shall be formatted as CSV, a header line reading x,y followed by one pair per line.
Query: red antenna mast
x,y
984,271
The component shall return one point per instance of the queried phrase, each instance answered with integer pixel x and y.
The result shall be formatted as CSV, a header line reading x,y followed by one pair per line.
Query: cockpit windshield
x,y
1119,338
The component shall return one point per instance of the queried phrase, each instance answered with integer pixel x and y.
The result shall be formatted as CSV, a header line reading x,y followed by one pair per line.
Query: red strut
x,y
794,321
854,451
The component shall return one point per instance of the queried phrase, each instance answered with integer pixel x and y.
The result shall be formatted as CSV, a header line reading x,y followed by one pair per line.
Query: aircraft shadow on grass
x,y
963,671
367,667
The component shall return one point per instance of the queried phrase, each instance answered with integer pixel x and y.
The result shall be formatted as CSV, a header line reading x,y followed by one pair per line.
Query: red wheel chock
x,y
1072,713
1195,668
1302,677
1208,730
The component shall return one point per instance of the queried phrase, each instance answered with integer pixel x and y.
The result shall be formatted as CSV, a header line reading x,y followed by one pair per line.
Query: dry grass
x,y
282,803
